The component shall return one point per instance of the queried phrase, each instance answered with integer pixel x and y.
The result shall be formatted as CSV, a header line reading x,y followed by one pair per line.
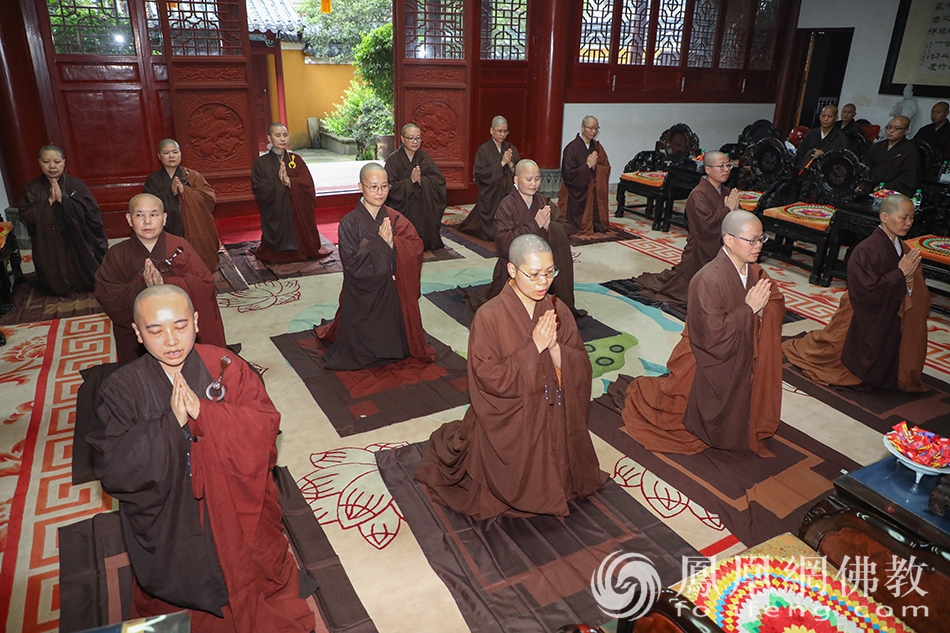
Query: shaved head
x,y
589,120
903,120
892,204
165,142
524,165
737,221
498,121
409,127
145,197
273,126
524,246
831,108
156,291
368,169
711,158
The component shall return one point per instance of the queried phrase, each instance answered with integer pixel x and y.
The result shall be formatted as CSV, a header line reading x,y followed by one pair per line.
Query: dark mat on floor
x,y
755,498
516,574
452,302
32,305
878,409
472,243
619,235
360,401
96,578
631,290
228,278
255,271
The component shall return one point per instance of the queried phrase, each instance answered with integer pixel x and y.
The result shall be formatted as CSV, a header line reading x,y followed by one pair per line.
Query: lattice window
x,y
212,27
763,36
634,28
702,37
91,27
735,34
154,25
435,29
596,25
504,29
669,33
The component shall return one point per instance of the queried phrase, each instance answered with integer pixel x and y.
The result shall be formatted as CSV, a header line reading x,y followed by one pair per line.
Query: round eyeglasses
x,y
762,239
536,277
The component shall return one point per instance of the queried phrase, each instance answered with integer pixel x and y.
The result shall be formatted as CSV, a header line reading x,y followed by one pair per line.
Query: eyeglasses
x,y
722,166
893,127
591,127
502,132
377,188
762,239
536,277
413,139
164,266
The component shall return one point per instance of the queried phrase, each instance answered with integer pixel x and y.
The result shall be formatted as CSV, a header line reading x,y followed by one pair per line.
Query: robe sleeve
x,y
33,198
115,289
496,375
154,186
509,225
365,259
907,172
869,285
198,193
264,184
401,190
574,169
715,329
433,181
489,172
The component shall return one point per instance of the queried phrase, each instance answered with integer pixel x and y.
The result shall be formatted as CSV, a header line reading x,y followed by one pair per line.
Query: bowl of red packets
x,y
923,452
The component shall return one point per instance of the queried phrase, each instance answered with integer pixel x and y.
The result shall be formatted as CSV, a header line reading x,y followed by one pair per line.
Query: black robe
x,y
371,331
69,240
159,184
877,288
835,139
422,202
938,139
896,167
494,181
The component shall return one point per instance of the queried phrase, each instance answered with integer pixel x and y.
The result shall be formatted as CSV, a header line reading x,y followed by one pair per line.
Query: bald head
x,y
368,169
893,203
499,121
736,222
523,246
524,165
159,292
410,129
714,158
276,125
143,199
167,142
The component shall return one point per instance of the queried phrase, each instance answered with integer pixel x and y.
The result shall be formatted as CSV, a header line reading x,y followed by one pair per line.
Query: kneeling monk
x,y
878,335
190,460
378,321
724,386
523,447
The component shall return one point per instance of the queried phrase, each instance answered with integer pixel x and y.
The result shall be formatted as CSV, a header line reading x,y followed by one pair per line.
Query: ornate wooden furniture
x,y
877,515
763,163
809,217
9,257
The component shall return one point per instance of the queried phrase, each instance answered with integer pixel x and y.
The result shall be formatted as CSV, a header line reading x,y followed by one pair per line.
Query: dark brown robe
x,y
585,190
513,218
724,386
937,139
884,312
705,210
198,505
69,240
193,210
898,167
494,181
523,447
835,139
423,203
288,226
378,321
119,280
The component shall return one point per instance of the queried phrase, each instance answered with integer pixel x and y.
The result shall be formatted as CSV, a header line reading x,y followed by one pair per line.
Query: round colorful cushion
x,y
778,595
933,247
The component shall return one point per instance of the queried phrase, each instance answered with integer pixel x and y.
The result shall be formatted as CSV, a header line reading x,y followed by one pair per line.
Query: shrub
x,y
362,116
374,61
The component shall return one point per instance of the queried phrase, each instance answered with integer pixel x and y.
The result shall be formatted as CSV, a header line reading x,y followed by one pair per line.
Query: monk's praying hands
x,y
758,295
732,200
545,332
506,157
282,173
55,192
151,275
185,404
416,175
177,187
592,160
386,231
909,263
543,217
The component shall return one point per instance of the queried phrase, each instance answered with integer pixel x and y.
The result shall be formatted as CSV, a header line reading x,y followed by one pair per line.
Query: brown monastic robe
x,y
288,226
705,210
523,447
69,240
423,203
835,139
378,321
585,190
874,348
198,505
194,210
494,181
897,167
513,218
119,280
724,386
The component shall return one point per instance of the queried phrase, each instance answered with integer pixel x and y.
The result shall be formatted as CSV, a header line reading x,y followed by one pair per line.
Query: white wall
x,y
628,128
4,203
873,23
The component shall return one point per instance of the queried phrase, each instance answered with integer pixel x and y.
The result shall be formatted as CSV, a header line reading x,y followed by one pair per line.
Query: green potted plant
x,y
374,62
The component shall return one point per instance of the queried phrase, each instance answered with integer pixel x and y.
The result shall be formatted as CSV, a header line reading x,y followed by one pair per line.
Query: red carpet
x,y
247,228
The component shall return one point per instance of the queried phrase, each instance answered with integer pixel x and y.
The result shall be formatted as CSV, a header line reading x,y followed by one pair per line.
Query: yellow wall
x,y
310,90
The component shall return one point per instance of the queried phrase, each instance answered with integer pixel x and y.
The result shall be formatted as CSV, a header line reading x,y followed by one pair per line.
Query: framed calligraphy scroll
x,y
920,49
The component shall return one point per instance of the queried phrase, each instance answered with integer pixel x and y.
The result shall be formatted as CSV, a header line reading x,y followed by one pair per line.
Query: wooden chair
x,y
830,182
763,163
10,271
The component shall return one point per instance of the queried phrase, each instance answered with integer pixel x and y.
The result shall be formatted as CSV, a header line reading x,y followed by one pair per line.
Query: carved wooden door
x,y
208,53
433,58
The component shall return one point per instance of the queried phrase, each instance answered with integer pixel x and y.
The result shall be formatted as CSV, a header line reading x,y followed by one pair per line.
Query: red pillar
x,y
549,54
279,72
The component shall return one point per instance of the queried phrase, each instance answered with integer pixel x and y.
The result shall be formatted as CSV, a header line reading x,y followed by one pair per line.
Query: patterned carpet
x,y
338,476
